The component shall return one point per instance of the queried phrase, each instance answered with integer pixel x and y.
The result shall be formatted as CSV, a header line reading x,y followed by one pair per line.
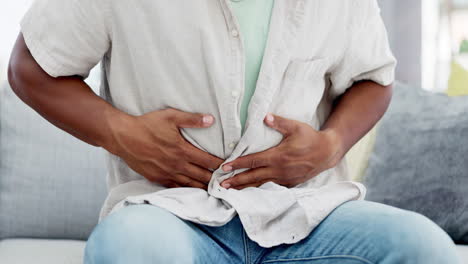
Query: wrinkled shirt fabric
x,y
189,55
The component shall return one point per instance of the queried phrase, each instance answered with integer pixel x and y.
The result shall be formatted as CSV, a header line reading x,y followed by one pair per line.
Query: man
x,y
226,125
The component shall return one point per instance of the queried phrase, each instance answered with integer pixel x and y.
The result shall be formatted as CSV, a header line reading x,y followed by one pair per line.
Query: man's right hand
x,y
153,146
150,144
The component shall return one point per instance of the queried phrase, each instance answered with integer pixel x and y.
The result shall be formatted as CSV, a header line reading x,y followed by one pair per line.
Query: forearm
x,y
356,112
67,102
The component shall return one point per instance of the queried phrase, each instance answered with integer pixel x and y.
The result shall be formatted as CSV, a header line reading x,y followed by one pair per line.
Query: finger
x,y
173,185
257,184
255,160
186,181
185,119
202,158
284,125
249,177
199,174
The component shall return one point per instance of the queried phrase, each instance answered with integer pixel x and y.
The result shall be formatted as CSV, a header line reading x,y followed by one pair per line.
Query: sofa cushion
x,y
358,156
51,184
419,160
39,251
463,253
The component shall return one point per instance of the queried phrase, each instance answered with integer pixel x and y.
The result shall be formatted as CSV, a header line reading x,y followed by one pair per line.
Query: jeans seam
x,y
366,261
246,248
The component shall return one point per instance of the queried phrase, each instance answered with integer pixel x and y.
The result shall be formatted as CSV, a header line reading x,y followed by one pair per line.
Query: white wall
x,y
404,24
11,12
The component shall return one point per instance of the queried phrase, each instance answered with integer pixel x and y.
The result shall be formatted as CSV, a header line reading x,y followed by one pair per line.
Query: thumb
x,y
284,125
186,119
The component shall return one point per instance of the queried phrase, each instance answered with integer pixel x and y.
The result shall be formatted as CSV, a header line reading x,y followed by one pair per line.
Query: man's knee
x,y
413,238
140,234
403,236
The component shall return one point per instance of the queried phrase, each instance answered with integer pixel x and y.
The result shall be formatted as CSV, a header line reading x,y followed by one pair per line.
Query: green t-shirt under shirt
x,y
254,21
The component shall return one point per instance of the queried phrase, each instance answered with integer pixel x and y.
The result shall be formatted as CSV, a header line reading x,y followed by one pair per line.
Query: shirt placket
x,y
236,76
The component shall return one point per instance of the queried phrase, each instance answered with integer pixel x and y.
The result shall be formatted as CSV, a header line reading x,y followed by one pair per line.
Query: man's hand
x,y
302,154
152,145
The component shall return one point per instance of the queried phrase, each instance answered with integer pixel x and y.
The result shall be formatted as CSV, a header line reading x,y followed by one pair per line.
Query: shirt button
x,y
232,145
234,33
235,93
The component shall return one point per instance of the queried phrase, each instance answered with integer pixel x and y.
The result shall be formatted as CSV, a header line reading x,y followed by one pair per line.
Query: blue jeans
x,y
356,232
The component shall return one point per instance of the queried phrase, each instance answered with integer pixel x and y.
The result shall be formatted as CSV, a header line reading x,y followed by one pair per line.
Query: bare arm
x,y
151,144
67,102
356,112
305,152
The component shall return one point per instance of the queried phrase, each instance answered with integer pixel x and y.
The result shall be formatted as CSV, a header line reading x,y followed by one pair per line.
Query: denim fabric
x,y
356,232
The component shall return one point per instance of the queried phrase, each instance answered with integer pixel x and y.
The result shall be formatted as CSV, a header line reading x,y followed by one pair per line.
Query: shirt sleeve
x,y
67,37
367,55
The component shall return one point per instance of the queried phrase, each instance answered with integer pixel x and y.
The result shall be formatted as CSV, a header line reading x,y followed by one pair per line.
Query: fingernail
x,y
270,118
227,168
207,119
225,185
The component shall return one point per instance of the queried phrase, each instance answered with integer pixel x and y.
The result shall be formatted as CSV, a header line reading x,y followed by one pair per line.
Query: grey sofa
x,y
51,188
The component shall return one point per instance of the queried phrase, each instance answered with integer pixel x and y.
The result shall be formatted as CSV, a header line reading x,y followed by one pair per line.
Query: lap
x,y
356,232
368,232
149,234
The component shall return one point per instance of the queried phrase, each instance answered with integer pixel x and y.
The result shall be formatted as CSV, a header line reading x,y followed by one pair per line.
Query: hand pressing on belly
x,y
152,145
302,154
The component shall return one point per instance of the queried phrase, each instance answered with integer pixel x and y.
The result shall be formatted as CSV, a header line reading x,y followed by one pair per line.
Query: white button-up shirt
x,y
189,55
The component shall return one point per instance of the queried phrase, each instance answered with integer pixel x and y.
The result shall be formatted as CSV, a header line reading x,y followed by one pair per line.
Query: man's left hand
x,y
302,154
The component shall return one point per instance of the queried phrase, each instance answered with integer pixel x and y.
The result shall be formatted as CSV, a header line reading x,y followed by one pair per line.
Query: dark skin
x,y
151,144
292,162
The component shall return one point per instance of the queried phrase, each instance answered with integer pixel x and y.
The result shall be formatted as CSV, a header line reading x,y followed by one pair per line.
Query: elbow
x,y
12,76
16,77
21,78
22,73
